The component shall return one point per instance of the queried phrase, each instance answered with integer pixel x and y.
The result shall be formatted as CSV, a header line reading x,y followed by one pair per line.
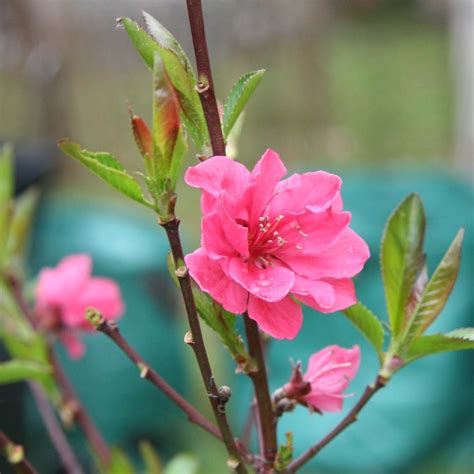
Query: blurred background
x,y
379,91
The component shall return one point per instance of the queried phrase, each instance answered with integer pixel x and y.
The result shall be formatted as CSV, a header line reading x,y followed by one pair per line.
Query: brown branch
x,y
205,85
196,342
15,455
350,418
79,413
262,394
56,434
112,332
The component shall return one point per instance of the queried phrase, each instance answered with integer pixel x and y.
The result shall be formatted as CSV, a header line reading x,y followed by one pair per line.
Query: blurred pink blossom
x,y
329,373
264,239
62,295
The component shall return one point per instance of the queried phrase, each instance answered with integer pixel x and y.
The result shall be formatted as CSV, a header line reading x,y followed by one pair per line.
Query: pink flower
x,y
264,239
329,373
63,294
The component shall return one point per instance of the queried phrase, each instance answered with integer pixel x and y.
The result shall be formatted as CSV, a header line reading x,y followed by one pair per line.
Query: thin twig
x,y
56,434
112,332
15,455
351,417
262,393
79,413
196,342
205,86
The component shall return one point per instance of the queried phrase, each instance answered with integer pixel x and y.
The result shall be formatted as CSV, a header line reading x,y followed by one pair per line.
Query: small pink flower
x,y
329,373
264,239
64,293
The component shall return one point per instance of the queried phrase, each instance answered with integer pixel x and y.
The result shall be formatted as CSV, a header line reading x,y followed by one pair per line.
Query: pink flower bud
x,y
64,293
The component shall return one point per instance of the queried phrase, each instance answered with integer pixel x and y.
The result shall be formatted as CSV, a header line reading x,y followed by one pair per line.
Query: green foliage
x,y
17,370
159,40
219,320
437,291
459,339
368,324
402,257
182,463
105,166
285,453
238,98
6,195
150,458
119,464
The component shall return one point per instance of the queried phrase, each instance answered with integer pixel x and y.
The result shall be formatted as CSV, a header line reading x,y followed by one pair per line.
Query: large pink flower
x,y
64,293
329,373
264,239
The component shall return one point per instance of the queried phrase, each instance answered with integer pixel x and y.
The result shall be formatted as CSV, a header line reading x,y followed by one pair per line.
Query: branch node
x,y
144,370
202,86
188,338
181,271
14,453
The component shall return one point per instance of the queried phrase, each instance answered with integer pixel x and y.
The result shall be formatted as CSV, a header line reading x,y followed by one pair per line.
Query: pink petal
x,y
270,284
217,174
334,354
73,344
222,236
265,176
58,285
310,234
314,191
325,401
344,259
100,293
343,292
281,320
210,277
319,293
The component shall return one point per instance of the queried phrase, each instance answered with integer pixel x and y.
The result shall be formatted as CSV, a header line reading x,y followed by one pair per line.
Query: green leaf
x,y
368,324
17,370
460,339
402,257
150,458
6,173
178,68
219,320
108,168
166,121
285,453
182,464
238,97
119,464
21,223
179,152
437,291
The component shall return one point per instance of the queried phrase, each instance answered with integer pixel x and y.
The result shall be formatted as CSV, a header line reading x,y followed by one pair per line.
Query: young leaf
x,y
460,339
150,458
166,122
178,68
6,194
119,464
238,97
402,257
367,323
285,453
437,290
108,168
179,152
17,370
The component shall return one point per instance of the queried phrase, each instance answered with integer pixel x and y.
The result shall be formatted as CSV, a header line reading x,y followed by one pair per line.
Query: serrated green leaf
x,y
166,121
437,291
182,463
368,324
402,257
17,370
105,166
238,98
150,458
219,320
460,339
178,68
179,152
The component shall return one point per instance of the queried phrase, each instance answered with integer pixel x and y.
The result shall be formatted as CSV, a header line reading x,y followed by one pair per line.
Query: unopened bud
x,y
94,317
225,393
142,136
188,338
144,369
15,453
